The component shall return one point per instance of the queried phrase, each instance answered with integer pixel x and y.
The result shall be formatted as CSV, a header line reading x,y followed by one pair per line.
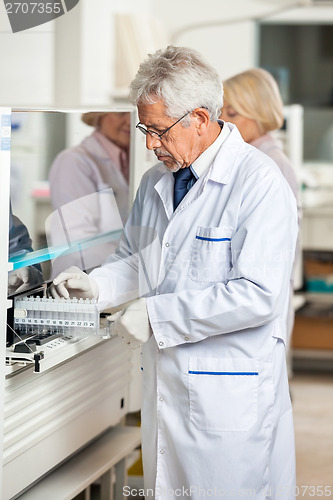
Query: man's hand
x,y
73,283
20,279
132,324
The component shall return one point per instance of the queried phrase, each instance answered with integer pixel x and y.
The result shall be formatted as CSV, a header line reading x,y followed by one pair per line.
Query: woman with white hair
x,y
252,101
81,179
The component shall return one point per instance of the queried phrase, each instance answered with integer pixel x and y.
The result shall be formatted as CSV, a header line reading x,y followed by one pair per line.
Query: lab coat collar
x,y
164,188
219,171
206,159
226,157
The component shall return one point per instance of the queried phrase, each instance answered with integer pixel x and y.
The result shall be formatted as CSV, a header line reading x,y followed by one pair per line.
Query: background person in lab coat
x,y
80,181
252,101
211,317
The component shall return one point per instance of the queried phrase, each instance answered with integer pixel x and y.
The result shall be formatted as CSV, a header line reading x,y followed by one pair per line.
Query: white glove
x,y
132,324
20,279
73,283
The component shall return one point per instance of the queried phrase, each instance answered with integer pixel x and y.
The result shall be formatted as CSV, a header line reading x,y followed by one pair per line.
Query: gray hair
x,y
181,79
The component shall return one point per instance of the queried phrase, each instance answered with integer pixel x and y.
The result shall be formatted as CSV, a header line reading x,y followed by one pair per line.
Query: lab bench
x,y
51,415
63,422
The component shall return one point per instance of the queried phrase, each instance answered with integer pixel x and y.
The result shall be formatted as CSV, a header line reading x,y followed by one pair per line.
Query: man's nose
x,y
152,141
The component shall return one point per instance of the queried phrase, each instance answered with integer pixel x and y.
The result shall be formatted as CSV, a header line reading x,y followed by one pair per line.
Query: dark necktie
x,y
181,187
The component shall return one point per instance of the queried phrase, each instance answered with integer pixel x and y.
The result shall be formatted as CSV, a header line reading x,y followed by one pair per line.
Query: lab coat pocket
x,y
211,254
223,393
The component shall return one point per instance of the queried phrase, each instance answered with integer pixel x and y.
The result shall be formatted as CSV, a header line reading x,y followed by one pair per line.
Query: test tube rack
x,y
62,316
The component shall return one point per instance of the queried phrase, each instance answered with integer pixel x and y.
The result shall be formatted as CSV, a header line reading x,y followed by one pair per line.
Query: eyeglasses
x,y
154,134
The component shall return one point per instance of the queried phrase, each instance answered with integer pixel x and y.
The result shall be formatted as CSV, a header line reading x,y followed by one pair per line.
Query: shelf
x,y
312,359
45,254
323,298
90,464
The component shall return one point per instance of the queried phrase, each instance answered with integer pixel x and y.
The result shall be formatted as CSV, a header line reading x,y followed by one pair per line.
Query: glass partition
x,y
70,186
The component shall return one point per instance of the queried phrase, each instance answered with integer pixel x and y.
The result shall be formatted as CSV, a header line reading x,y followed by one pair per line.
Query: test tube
x,y
54,315
60,310
42,318
67,316
47,314
94,316
73,308
36,314
20,321
30,315
80,318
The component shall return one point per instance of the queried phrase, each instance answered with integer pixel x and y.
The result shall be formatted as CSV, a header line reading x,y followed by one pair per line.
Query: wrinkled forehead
x,y
153,114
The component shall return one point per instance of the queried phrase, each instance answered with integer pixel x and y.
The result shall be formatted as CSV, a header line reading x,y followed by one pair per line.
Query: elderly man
x,y
208,248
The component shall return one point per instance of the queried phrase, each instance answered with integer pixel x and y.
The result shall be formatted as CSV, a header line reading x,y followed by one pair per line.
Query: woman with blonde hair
x,y
252,101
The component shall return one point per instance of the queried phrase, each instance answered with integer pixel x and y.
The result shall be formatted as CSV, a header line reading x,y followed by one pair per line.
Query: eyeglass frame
x,y
152,133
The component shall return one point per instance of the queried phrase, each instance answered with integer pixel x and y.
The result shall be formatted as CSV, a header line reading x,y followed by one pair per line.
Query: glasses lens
x,y
152,133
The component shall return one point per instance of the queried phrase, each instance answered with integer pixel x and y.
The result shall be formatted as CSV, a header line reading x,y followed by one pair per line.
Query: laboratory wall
x,y
27,64
75,59
68,62
223,31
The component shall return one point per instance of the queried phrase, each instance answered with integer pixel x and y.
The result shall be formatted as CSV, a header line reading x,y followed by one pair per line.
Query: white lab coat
x,y
216,412
273,148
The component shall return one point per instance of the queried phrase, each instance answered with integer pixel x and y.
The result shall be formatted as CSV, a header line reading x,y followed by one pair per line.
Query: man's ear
x,y
201,118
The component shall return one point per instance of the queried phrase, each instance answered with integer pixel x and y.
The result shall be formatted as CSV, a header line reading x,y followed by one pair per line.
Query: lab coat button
x,y
162,451
161,343
167,244
161,398
187,338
